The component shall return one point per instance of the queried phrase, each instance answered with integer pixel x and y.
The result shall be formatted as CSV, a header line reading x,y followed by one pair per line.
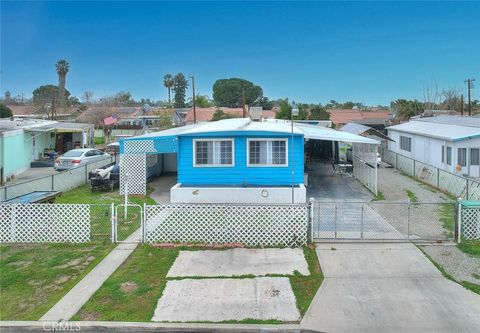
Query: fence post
x,y
112,208
413,169
143,221
408,221
468,196
361,224
335,224
53,187
396,160
438,178
459,221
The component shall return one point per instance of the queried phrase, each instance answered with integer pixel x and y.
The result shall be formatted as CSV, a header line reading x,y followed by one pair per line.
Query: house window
x,y
462,157
213,152
267,152
449,155
405,143
475,156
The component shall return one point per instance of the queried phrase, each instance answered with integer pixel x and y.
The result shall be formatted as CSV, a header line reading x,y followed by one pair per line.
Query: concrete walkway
x,y
387,288
162,186
71,303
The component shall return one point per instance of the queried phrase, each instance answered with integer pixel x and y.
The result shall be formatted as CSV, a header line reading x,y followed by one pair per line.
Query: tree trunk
x,y
61,90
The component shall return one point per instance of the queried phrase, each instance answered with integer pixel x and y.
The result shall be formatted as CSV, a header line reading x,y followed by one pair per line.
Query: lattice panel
x,y
44,223
252,225
136,168
365,174
139,147
471,223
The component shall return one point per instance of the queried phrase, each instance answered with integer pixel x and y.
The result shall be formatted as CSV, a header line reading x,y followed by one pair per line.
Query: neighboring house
x,y
376,118
27,140
232,160
206,114
451,143
37,112
131,116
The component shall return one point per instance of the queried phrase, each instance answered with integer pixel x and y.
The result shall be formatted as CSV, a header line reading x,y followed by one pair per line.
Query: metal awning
x,y
328,134
359,129
60,128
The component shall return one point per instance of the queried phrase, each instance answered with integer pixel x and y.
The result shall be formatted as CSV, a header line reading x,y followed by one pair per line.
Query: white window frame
x,y
269,153
194,154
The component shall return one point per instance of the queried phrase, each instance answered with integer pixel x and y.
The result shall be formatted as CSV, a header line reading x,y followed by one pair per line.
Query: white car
x,y
78,157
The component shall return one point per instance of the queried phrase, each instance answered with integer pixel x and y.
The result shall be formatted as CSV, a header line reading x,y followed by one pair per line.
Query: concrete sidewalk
x,y
387,288
69,305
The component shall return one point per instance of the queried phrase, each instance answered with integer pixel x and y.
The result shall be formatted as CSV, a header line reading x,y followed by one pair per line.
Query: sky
x,y
369,52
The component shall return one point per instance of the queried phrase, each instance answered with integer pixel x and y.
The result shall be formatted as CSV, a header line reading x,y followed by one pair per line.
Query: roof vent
x,y
255,112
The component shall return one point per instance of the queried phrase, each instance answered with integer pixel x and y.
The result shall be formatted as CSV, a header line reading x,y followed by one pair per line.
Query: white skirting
x,y
252,195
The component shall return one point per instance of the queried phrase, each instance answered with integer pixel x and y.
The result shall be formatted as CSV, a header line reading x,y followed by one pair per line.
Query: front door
x,y
474,162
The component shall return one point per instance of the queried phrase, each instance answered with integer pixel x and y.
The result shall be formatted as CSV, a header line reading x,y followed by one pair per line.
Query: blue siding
x,y
239,174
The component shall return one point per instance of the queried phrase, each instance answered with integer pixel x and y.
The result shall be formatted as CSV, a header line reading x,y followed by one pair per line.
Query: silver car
x,y
78,157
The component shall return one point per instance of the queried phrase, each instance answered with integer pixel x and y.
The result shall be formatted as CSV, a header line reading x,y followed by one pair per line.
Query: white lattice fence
x,y
471,223
252,225
44,223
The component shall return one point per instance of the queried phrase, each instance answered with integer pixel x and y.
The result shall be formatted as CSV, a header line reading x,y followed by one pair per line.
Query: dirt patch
x,y
21,263
91,316
62,279
73,262
128,287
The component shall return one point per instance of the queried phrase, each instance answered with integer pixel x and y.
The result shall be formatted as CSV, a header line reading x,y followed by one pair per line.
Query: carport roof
x,y
60,127
269,125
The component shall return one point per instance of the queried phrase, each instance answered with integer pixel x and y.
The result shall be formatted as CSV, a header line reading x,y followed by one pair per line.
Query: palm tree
x,y
62,67
168,83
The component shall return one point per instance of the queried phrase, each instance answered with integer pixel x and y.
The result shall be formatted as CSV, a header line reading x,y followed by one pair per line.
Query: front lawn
x,y
33,277
83,195
132,292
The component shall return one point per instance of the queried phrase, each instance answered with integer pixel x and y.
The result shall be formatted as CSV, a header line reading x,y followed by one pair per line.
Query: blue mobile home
x,y
233,160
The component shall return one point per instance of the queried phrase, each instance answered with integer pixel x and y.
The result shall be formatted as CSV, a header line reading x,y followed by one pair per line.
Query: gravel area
x,y
456,263
393,184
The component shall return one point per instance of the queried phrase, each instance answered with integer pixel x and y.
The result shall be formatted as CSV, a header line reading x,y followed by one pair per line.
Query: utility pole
x,y
469,82
461,104
194,105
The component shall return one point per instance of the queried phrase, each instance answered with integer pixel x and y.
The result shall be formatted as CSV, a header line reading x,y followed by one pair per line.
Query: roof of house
x,y
444,129
343,116
452,120
269,125
11,125
206,114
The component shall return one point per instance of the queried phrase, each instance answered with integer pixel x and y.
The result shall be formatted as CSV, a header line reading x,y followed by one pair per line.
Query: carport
x,y
325,141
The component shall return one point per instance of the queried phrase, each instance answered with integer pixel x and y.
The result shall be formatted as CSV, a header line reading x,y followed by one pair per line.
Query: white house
x,y
448,142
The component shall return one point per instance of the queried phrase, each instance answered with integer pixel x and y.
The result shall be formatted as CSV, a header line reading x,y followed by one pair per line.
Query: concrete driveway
x,y
387,288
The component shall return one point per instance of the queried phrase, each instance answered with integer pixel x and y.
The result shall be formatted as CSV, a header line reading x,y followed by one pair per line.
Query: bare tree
x,y
451,99
87,97
431,94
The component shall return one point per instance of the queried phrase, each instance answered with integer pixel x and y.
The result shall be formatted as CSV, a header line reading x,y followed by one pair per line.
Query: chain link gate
x,y
127,223
382,220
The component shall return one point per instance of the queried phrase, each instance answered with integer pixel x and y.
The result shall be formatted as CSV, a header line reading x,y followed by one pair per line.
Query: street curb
x,y
106,326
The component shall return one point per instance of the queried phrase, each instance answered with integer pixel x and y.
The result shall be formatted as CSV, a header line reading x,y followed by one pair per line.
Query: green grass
x,y
83,195
411,196
471,247
36,276
379,196
99,140
468,285
147,268
447,218
305,287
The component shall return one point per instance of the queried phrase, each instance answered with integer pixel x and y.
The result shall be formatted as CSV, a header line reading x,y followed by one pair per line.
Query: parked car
x,y
78,157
